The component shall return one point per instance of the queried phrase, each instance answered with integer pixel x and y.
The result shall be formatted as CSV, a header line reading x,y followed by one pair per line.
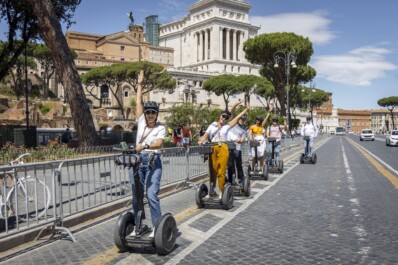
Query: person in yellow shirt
x,y
256,133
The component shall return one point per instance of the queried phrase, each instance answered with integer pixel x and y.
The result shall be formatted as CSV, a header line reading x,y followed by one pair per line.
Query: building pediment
x,y
120,37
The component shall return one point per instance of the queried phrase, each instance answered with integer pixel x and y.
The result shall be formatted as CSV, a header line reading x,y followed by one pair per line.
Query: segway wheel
x,y
280,166
314,158
265,172
227,199
201,192
302,159
124,226
246,186
165,234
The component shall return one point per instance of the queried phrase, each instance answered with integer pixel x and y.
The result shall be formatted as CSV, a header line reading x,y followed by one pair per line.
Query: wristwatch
x,y
146,146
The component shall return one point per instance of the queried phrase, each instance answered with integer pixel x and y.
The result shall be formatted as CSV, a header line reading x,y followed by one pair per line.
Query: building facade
x,y
208,41
152,30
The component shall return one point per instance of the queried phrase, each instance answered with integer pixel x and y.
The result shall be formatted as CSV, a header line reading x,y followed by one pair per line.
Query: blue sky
x,y
355,42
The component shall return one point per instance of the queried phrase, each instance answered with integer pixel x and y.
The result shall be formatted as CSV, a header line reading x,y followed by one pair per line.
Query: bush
x,y
44,109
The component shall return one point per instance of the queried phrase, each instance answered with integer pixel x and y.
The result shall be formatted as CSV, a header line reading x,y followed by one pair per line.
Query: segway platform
x,y
256,171
203,196
273,166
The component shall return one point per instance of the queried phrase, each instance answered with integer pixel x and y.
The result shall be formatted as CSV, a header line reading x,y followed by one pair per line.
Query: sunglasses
x,y
225,116
151,112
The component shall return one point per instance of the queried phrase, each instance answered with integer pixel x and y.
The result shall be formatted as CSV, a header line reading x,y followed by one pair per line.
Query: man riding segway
x,y
309,132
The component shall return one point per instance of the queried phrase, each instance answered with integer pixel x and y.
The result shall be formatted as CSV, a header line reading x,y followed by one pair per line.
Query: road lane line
x,y
380,165
358,229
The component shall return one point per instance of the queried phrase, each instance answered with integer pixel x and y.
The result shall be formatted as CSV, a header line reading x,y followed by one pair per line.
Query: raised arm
x,y
233,110
235,120
266,117
139,108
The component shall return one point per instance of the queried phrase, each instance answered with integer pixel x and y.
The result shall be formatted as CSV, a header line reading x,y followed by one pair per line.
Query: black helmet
x,y
224,112
259,118
275,119
244,116
151,105
309,118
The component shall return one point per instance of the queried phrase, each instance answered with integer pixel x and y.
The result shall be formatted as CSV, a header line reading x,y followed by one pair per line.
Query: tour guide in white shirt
x,y
309,129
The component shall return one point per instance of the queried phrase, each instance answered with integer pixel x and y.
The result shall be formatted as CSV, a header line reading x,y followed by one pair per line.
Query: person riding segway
x,y
274,136
237,135
309,132
145,167
216,135
258,145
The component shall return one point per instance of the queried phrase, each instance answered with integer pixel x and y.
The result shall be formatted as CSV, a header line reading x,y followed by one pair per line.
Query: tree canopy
x,y
251,84
262,49
390,103
23,27
222,85
116,75
312,98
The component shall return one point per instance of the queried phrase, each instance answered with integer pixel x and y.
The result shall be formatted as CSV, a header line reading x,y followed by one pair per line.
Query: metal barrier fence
x,y
44,193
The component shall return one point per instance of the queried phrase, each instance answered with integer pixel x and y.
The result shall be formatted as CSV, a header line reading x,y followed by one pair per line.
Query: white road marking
x,y
359,229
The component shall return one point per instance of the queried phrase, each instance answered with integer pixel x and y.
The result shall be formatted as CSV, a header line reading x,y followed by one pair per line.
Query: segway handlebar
x,y
307,137
271,139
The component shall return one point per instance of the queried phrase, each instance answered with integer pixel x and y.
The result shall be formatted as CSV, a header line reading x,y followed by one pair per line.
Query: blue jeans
x,y
152,178
277,151
311,145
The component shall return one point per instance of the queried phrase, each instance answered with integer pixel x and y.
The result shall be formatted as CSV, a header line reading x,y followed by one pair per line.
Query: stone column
x,y
241,40
234,50
221,43
195,47
200,46
206,44
227,39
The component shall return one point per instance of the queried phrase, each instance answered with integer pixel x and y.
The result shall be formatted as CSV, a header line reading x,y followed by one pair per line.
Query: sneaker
x,y
133,233
152,235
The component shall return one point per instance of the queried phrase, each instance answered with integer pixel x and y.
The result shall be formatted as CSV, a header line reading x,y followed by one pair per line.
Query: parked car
x,y
392,138
367,135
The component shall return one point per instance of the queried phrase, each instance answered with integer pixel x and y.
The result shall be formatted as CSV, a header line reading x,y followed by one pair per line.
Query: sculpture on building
x,y
131,17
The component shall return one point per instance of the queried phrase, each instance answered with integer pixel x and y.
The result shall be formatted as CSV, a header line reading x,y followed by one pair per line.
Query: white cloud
x,y
313,25
357,67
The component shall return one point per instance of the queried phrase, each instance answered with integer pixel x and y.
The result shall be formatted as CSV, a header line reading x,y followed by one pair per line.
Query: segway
x,y
166,227
256,172
305,157
244,187
271,162
227,199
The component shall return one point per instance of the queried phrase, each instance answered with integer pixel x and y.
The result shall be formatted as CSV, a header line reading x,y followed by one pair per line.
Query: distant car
x,y
332,132
350,132
367,135
392,138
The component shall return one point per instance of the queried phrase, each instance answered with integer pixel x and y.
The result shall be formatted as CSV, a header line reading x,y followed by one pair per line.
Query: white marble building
x,y
207,42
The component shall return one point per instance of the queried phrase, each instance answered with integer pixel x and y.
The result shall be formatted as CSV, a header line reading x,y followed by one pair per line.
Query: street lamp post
x,y
312,90
289,59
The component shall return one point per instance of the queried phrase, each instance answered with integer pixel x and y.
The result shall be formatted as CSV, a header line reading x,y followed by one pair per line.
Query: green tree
x,y
23,26
390,103
50,28
116,75
313,98
17,74
196,116
251,84
222,85
262,49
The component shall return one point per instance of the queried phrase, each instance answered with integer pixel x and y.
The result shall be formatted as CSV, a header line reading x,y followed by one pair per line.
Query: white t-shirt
x,y
216,134
235,133
309,129
149,135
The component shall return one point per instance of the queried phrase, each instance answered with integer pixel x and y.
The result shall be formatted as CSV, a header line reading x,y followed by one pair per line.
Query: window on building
x,y
122,48
126,93
86,62
122,59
